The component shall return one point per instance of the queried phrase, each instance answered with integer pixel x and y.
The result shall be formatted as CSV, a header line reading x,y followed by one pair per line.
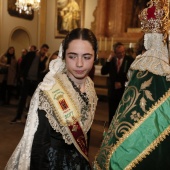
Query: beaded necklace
x,y
83,95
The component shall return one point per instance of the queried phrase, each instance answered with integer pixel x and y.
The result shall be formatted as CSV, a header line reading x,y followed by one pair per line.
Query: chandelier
x,y
27,6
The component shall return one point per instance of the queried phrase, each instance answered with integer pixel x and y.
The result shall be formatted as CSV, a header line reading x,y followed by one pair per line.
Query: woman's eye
x,y
72,56
87,57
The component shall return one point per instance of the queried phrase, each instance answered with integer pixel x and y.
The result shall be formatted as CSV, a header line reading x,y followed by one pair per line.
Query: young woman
x,y
61,111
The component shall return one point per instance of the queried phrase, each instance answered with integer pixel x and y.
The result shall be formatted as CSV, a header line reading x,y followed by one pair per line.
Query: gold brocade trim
x,y
136,125
149,149
96,166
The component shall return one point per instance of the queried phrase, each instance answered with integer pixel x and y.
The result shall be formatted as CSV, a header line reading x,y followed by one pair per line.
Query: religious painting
x,y
69,15
12,10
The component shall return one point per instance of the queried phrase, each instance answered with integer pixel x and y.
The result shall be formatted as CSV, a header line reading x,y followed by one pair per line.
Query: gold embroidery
x,y
74,129
135,116
146,84
127,133
149,149
121,129
147,93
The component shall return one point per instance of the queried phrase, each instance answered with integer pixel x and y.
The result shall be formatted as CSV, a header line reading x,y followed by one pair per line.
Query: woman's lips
x,y
79,71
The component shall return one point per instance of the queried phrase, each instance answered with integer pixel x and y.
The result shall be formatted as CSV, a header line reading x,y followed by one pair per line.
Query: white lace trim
x,y
155,59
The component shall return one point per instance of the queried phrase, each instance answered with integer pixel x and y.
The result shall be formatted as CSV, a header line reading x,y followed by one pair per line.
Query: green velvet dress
x,y
138,137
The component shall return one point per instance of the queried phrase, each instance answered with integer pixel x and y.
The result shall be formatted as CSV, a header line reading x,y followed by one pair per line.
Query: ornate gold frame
x,y
61,11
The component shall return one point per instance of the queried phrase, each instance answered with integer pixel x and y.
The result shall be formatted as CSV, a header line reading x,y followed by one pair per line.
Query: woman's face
x,y
79,59
11,50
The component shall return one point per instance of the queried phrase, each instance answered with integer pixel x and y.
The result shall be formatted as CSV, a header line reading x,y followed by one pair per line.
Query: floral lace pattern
x,y
155,59
20,158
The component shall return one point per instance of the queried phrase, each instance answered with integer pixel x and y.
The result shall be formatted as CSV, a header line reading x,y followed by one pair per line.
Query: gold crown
x,y
155,18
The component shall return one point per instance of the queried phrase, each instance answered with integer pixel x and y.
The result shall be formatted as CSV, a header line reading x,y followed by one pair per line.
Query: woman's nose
x,y
79,62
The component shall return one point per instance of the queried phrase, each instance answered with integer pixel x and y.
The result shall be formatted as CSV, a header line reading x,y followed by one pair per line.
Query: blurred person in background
x,y
139,47
116,66
32,48
32,67
8,65
50,58
18,72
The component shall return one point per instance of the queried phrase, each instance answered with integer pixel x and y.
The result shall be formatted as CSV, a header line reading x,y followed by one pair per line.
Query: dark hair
x,y
80,33
45,45
116,45
55,53
34,47
7,52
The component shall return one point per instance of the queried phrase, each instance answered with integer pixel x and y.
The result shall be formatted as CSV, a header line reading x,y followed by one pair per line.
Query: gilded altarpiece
x,y
113,18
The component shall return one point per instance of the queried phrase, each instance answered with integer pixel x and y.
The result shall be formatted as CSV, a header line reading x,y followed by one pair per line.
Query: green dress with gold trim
x,y
139,134
140,125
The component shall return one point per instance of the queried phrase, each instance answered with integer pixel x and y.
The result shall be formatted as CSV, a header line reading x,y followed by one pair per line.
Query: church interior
x,y
110,20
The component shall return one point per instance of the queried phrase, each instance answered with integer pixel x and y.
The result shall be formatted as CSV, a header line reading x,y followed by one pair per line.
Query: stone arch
x,y
20,38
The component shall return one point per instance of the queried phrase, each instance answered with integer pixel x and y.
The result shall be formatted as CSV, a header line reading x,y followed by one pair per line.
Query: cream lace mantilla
x,y
155,59
20,159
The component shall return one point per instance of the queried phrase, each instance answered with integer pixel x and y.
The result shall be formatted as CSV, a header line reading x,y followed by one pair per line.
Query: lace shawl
x,y
155,59
87,112
20,159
